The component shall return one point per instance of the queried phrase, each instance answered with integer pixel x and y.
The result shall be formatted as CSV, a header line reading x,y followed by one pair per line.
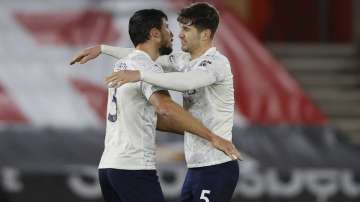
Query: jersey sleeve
x,y
206,72
116,52
179,81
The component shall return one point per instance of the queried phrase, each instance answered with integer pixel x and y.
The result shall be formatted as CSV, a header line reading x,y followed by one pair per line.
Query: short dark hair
x,y
201,15
142,22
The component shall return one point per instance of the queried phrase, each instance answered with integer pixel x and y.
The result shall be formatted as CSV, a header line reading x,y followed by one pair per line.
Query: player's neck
x,y
150,49
200,51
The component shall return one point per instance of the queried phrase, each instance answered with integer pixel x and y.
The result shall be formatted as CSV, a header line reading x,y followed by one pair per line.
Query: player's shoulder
x,y
138,57
216,62
141,61
138,60
216,58
131,62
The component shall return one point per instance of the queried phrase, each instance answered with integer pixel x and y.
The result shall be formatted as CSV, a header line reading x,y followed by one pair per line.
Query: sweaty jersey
x,y
213,104
131,119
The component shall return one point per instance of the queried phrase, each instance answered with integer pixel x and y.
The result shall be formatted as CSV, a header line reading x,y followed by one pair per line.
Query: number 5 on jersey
x,y
203,197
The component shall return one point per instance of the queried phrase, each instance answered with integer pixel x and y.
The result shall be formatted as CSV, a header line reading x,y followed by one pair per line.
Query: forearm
x,y
178,119
181,120
164,124
116,52
178,81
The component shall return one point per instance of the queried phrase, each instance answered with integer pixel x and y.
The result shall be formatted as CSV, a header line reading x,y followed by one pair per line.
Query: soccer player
x,y
127,167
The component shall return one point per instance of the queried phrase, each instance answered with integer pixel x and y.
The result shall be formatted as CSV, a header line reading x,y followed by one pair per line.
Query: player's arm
x,y
165,124
120,52
178,81
117,52
182,120
93,52
205,73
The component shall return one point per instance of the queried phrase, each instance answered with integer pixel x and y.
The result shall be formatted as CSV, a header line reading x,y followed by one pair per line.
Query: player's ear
x,y
205,35
155,34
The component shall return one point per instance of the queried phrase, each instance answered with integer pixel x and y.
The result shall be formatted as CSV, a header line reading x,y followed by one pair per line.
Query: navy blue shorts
x,y
130,185
215,183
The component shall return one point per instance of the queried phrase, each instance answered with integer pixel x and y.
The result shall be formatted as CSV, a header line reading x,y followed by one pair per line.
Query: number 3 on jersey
x,y
203,197
112,116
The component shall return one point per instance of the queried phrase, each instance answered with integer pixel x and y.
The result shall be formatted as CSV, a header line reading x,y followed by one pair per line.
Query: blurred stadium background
x,y
297,81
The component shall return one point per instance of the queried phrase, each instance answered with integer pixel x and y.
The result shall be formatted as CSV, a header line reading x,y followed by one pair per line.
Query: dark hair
x,y
201,15
142,22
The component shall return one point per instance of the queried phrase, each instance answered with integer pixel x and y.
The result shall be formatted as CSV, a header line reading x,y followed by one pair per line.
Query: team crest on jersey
x,y
157,69
190,92
204,63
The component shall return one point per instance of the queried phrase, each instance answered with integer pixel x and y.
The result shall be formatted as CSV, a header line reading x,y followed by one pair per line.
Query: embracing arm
x,y
179,120
179,81
93,52
166,125
116,52
119,52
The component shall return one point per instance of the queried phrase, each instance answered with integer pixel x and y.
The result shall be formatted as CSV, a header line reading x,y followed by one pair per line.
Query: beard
x,y
165,50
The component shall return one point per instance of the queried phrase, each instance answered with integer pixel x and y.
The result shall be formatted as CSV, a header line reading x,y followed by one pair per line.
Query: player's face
x,y
190,37
166,39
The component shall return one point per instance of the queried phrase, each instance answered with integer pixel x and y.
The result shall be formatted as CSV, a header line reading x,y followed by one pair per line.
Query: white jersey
x,y
213,105
131,119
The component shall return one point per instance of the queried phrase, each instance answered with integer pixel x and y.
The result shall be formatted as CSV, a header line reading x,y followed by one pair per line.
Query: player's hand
x,y
86,55
227,147
119,78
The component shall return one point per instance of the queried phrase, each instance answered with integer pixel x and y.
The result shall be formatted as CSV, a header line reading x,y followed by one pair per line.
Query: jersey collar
x,y
209,51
